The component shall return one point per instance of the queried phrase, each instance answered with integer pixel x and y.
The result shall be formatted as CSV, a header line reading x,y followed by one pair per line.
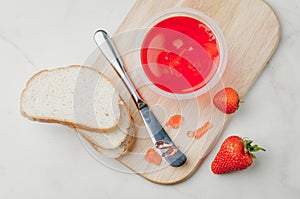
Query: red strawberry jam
x,y
180,54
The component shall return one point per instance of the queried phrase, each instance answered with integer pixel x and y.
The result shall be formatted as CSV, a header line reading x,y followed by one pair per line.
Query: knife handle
x,y
109,50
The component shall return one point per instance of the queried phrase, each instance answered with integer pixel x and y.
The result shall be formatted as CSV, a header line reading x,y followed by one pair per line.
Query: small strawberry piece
x,y
153,157
175,121
227,100
235,154
202,130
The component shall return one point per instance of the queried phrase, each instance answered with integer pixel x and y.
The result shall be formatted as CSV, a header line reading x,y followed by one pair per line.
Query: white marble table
x,y
48,161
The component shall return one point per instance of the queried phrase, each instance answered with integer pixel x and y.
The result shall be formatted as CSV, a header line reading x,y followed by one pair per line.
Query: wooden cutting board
x,y
251,30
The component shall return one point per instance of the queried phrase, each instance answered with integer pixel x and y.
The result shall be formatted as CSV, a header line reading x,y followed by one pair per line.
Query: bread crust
x,y
130,139
91,140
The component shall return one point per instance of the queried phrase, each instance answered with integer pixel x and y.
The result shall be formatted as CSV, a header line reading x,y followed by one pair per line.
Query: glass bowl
x,y
182,28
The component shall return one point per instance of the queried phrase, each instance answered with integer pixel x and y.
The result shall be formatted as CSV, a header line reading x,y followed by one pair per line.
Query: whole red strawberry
x,y
235,154
227,100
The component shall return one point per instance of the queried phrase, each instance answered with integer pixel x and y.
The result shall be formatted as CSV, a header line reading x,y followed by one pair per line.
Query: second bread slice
x,y
114,138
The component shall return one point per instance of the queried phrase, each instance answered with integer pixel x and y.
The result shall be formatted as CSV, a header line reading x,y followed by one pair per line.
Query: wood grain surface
x,y
252,32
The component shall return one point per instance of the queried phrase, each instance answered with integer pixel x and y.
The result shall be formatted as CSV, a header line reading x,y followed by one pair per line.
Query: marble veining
x,y
17,48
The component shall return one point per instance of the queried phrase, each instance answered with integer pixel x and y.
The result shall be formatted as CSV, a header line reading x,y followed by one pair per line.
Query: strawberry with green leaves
x,y
235,154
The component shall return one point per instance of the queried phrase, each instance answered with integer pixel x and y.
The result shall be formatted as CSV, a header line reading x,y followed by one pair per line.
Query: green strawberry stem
x,y
248,148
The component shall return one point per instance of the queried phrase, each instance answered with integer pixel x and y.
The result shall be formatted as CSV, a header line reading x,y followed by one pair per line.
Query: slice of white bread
x,y
76,96
114,138
119,151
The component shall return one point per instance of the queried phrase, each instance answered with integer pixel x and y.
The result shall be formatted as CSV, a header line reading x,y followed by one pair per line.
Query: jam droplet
x,y
175,121
200,131
162,145
171,151
153,157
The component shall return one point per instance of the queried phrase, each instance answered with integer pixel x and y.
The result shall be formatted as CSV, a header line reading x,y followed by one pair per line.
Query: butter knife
x,y
162,142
